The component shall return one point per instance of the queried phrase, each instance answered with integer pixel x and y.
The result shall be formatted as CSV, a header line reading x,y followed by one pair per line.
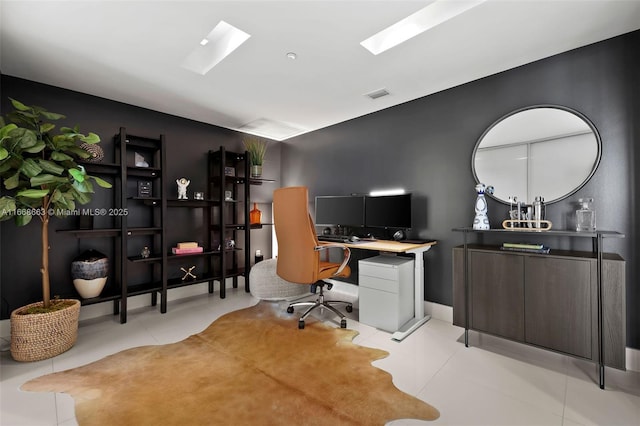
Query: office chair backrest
x,y
298,261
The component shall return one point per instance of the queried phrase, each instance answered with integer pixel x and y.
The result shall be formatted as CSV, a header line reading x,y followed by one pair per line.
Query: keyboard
x,y
334,238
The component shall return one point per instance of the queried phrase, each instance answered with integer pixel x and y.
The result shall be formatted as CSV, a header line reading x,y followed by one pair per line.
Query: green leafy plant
x,y
256,147
39,173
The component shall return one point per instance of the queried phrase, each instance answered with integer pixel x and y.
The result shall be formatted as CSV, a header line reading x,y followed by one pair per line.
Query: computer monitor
x,y
340,210
388,211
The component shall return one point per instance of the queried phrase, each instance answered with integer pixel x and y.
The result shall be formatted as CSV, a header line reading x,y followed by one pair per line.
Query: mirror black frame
x,y
527,108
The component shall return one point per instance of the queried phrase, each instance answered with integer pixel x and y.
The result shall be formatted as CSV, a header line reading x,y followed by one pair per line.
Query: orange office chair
x,y
299,251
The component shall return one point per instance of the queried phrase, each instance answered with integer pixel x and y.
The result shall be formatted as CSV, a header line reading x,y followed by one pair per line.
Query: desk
x,y
417,250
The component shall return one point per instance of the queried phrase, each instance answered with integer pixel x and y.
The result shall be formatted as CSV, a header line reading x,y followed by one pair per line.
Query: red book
x,y
176,250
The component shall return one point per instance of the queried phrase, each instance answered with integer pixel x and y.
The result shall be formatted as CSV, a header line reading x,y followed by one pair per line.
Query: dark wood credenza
x,y
571,302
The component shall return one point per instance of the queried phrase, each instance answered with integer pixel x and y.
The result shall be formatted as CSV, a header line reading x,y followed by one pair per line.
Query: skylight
x,y
276,130
217,45
426,18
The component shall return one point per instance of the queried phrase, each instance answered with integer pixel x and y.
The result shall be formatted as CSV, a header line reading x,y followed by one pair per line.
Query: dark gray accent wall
x,y
187,145
425,146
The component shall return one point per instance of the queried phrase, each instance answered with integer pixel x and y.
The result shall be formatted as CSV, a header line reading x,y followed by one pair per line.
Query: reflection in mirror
x,y
545,150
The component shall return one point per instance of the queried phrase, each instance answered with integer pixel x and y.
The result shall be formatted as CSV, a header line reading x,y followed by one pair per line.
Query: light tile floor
x,y
493,382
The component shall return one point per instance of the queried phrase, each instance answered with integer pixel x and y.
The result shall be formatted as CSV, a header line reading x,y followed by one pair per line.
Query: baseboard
x,y
445,313
436,310
633,359
134,302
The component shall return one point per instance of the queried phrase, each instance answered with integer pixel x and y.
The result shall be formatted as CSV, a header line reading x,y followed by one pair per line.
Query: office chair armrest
x,y
346,253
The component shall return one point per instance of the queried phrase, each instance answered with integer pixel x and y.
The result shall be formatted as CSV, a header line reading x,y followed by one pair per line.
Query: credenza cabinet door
x,y
550,301
497,294
558,304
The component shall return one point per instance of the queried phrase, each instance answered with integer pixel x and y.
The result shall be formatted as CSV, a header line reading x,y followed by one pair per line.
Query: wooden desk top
x,y
387,245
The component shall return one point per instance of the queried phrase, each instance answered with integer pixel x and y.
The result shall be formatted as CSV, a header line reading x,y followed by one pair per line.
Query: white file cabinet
x,y
385,288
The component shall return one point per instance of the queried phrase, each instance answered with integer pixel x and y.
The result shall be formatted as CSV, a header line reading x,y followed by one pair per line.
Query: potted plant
x,y
40,178
257,148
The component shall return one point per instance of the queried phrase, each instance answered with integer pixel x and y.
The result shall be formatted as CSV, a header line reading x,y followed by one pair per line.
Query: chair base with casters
x,y
320,303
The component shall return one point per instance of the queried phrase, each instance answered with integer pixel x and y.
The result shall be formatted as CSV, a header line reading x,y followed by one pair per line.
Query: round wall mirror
x,y
544,150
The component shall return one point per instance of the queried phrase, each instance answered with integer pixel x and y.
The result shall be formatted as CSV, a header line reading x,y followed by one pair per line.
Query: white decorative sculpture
x,y
182,188
140,161
481,221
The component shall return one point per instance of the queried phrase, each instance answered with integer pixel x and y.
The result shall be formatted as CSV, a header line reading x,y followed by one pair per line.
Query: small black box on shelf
x,y
85,221
145,188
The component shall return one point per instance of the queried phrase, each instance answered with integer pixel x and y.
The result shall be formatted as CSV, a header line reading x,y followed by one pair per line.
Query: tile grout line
x,y
444,364
566,390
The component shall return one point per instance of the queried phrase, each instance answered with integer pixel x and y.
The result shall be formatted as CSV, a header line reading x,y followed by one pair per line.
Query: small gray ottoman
x,y
267,285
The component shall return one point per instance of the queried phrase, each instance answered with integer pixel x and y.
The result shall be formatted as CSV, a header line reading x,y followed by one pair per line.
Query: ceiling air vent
x,y
377,93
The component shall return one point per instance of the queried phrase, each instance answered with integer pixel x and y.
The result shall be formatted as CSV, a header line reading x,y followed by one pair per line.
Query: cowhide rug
x,y
250,367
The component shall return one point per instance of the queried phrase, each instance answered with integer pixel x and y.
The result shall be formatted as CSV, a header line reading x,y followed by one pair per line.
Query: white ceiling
x,y
131,51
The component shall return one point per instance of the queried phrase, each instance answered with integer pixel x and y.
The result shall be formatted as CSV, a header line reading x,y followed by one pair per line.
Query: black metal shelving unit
x,y
136,232
229,172
142,223
127,204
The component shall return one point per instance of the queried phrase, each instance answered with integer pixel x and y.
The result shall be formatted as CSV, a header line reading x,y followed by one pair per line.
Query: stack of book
x,y
525,247
187,248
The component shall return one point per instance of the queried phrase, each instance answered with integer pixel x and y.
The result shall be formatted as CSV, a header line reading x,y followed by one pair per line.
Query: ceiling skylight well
x,y
426,18
216,46
276,130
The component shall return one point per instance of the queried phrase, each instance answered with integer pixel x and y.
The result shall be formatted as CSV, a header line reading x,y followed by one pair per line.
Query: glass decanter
x,y
585,216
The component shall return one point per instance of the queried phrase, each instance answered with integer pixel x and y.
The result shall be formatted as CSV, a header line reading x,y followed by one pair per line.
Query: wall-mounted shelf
x,y
150,258
101,168
174,202
92,233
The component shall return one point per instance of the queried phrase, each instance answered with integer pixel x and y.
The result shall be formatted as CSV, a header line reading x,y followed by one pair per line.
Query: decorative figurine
x,y
229,243
145,253
481,221
182,188
139,160
187,273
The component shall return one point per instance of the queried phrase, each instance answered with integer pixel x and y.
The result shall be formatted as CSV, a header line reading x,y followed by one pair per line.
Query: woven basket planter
x,y
40,336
